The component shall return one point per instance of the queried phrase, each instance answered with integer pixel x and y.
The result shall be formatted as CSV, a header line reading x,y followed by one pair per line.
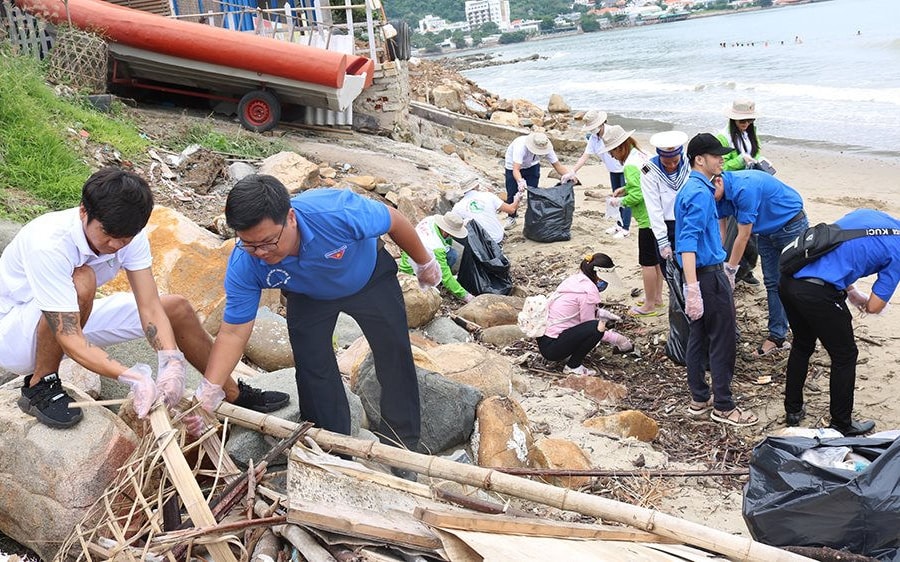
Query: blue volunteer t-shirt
x,y
697,223
339,233
863,256
757,198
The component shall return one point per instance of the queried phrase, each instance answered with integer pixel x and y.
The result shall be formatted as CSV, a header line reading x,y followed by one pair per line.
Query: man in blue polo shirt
x,y
764,205
322,249
707,292
815,299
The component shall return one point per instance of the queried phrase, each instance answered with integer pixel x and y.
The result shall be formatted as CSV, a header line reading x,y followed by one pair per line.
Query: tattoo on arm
x,y
63,323
152,334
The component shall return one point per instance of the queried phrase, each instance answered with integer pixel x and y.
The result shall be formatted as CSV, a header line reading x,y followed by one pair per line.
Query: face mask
x,y
602,285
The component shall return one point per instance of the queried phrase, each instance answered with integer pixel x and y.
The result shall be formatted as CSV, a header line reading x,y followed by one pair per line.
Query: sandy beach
x,y
832,184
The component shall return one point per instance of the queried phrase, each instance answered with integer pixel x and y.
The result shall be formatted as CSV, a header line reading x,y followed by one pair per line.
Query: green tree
x,y
547,24
589,23
459,39
477,38
513,37
489,28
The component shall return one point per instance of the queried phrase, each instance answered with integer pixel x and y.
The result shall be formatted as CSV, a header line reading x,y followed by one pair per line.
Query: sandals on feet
x,y
782,345
638,313
698,409
735,417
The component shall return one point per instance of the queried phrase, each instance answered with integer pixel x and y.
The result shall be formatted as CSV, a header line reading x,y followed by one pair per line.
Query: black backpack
x,y
820,239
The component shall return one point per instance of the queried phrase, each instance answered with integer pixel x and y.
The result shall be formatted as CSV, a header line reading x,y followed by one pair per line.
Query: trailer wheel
x,y
259,111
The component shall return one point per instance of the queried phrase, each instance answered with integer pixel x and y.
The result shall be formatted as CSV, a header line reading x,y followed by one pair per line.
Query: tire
x,y
399,47
259,111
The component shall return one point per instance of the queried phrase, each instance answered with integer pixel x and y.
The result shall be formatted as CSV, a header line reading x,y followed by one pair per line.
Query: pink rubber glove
x,y
140,379
615,202
603,314
522,185
731,272
693,301
468,298
858,298
618,340
194,425
170,380
665,252
209,395
428,274
567,177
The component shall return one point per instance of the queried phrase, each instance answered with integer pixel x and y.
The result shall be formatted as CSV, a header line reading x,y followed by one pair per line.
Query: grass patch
x,y
40,141
243,143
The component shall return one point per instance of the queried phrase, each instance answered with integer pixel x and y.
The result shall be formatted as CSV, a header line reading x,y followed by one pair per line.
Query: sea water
x,y
822,74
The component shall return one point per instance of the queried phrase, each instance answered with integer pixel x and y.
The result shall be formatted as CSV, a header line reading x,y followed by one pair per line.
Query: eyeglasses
x,y
746,121
263,246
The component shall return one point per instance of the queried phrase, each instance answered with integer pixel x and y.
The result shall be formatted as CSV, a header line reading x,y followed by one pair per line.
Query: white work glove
x,y
522,185
567,177
468,298
516,198
140,379
428,274
209,395
603,314
858,298
731,272
615,202
170,377
748,159
693,301
665,252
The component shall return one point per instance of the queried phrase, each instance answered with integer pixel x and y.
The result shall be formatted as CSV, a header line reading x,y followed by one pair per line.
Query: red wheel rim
x,y
257,112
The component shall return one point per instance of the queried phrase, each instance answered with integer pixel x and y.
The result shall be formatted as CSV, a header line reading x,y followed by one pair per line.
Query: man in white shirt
x,y
482,207
49,274
523,165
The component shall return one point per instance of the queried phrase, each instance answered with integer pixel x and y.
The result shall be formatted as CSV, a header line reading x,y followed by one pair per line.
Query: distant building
x,y
528,26
434,24
483,11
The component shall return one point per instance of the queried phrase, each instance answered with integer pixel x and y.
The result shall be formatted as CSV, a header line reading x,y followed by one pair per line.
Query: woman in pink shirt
x,y
575,321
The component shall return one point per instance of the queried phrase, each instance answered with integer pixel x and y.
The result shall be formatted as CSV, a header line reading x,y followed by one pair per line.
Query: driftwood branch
x,y
825,554
621,473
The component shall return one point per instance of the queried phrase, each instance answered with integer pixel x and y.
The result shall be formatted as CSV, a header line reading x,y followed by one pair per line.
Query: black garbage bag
x,y
483,268
548,217
751,251
679,323
790,502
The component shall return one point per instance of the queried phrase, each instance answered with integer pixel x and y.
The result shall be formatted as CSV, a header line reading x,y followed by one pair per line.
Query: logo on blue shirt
x,y
277,278
336,254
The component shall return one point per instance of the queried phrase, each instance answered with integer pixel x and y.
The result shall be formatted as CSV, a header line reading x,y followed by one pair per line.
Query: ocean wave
x,y
830,93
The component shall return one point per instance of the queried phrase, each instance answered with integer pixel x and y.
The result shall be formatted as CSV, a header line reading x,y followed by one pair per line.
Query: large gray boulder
x,y
269,345
8,231
246,444
50,477
444,330
346,331
448,407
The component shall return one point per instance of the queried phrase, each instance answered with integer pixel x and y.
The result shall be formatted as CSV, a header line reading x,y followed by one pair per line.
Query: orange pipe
x,y
200,42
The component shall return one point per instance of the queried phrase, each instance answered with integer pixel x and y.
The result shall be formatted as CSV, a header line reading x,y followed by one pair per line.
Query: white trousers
x,y
114,319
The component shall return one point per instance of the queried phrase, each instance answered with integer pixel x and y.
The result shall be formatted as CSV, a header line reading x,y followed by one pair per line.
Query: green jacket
x,y
733,160
634,197
431,237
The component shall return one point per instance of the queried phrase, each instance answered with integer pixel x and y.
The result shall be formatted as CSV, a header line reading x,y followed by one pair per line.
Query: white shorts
x,y
114,319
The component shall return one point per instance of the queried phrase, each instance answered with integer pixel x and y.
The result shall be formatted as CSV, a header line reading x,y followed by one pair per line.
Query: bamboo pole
x,y
181,475
739,548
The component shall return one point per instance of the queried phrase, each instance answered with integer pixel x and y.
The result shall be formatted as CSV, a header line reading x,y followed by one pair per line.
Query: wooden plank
x,y
380,526
183,478
506,524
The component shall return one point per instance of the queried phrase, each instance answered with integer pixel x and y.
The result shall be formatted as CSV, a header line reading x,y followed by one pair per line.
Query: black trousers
x,y
711,342
820,312
379,310
573,343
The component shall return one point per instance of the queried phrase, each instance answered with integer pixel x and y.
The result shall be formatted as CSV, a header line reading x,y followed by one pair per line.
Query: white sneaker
x,y
613,229
510,223
579,370
622,233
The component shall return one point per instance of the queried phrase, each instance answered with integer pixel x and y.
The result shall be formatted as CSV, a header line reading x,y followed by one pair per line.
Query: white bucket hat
x,y
669,139
452,224
614,135
593,120
538,143
742,109
468,185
